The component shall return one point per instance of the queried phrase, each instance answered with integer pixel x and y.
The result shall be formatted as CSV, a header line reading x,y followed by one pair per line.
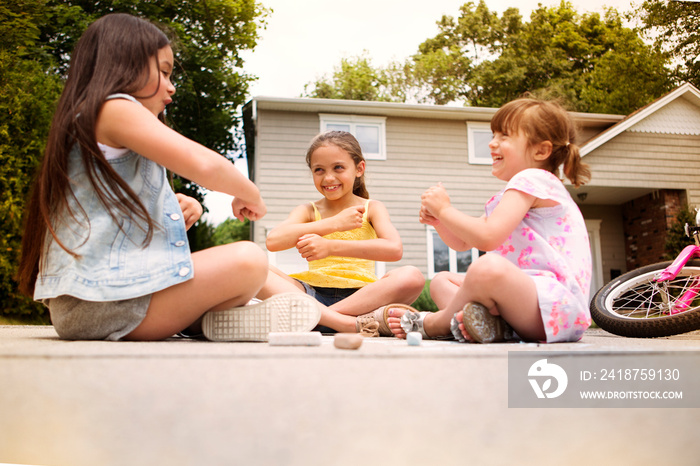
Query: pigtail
x,y
359,188
577,171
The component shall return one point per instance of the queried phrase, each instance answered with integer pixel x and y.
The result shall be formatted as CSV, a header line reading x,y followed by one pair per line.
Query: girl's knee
x,y
487,268
248,256
440,279
415,276
411,278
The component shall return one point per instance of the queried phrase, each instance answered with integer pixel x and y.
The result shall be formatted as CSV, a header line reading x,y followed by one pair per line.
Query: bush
x,y
675,238
424,302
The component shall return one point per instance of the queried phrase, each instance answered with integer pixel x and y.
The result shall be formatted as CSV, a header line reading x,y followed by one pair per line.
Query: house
x,y
645,166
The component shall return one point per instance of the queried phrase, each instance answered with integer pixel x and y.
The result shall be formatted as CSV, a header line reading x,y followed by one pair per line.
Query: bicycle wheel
x,y
634,305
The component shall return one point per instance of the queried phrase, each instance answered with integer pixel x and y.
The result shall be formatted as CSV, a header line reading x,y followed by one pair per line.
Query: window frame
x,y
472,128
353,121
452,255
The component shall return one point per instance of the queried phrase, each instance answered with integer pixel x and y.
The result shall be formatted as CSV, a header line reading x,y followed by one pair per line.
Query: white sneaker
x,y
286,312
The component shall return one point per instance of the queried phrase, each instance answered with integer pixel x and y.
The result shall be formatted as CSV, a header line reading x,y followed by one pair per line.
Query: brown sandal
x,y
374,324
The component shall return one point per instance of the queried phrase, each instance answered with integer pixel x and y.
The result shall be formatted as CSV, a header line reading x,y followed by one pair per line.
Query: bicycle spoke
x,y
648,299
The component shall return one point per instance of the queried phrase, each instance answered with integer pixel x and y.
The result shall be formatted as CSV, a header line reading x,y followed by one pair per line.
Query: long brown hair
x,y
349,144
112,56
540,121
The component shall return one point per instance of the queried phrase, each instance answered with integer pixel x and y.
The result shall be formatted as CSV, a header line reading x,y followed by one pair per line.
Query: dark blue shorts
x,y
327,297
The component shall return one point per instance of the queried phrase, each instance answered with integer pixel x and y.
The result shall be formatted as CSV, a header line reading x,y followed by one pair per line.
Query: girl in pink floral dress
x,y
535,279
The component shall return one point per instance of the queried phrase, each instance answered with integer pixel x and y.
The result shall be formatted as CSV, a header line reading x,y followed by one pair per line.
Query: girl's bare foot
x,y
435,324
394,321
459,317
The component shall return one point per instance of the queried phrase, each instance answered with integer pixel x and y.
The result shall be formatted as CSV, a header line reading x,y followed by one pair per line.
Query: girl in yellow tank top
x,y
341,236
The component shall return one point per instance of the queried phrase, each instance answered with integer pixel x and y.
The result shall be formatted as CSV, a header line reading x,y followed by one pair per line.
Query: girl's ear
x,y
360,168
543,150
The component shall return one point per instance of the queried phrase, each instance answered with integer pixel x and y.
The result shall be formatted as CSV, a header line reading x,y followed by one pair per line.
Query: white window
x,y
369,131
443,259
478,137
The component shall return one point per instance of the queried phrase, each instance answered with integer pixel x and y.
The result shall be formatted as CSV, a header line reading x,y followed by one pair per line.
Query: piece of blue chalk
x,y
414,338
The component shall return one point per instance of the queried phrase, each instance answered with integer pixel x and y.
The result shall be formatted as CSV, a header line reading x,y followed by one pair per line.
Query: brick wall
x,y
646,221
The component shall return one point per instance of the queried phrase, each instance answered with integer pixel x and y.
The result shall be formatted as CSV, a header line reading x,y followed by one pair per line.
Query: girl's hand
x,y
313,247
350,218
434,200
427,218
191,209
248,210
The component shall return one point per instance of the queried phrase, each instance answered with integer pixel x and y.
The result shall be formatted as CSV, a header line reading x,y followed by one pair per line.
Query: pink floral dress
x,y
551,245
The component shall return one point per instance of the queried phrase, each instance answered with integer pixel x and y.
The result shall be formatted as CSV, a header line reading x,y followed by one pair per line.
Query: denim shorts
x,y
327,297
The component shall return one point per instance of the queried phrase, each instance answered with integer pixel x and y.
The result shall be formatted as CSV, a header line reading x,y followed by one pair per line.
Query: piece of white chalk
x,y
294,338
414,338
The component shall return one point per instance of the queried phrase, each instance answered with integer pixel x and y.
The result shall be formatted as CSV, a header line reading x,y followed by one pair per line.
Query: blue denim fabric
x,y
111,262
327,297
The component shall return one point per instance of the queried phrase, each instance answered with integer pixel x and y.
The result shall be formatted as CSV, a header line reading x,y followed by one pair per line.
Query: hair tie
x,y
567,143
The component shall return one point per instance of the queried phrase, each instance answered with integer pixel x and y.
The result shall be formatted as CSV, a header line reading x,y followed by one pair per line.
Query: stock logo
x,y
546,372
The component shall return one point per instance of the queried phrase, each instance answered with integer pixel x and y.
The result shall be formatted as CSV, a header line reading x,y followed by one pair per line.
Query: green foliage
x,y
37,39
28,90
559,53
675,26
230,231
200,236
424,301
676,239
354,79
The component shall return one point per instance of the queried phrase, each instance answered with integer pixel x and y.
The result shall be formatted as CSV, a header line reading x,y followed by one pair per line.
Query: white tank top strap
x,y
123,96
112,153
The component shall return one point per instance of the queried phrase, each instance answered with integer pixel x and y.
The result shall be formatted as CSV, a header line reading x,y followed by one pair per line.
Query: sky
x,y
305,40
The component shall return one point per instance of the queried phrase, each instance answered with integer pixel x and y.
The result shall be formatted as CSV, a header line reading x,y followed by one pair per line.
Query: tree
x,y
37,38
676,28
230,231
354,79
558,53
28,91
481,59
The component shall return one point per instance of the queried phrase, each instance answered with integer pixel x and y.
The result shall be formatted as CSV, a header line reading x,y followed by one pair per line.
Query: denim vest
x,y
112,263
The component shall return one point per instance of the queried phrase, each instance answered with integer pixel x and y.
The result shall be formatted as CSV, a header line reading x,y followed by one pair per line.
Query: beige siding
x,y
648,160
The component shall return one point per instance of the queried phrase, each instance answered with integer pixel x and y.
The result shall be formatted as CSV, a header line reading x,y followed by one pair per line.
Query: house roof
x,y
443,112
688,94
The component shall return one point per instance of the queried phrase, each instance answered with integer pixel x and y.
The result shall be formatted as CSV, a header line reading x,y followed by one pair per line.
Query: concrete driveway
x,y
183,402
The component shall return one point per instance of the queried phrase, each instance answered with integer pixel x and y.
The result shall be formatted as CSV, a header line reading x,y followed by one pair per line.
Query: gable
x,y
678,117
678,112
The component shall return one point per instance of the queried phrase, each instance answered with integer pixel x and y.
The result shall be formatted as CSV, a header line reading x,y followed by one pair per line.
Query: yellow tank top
x,y
342,272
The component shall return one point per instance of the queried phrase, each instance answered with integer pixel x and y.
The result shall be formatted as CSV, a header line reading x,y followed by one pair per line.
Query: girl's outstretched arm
x,y
485,233
122,123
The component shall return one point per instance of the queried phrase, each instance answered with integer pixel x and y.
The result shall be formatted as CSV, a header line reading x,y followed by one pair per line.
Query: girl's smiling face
x,y
511,154
334,171
158,91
